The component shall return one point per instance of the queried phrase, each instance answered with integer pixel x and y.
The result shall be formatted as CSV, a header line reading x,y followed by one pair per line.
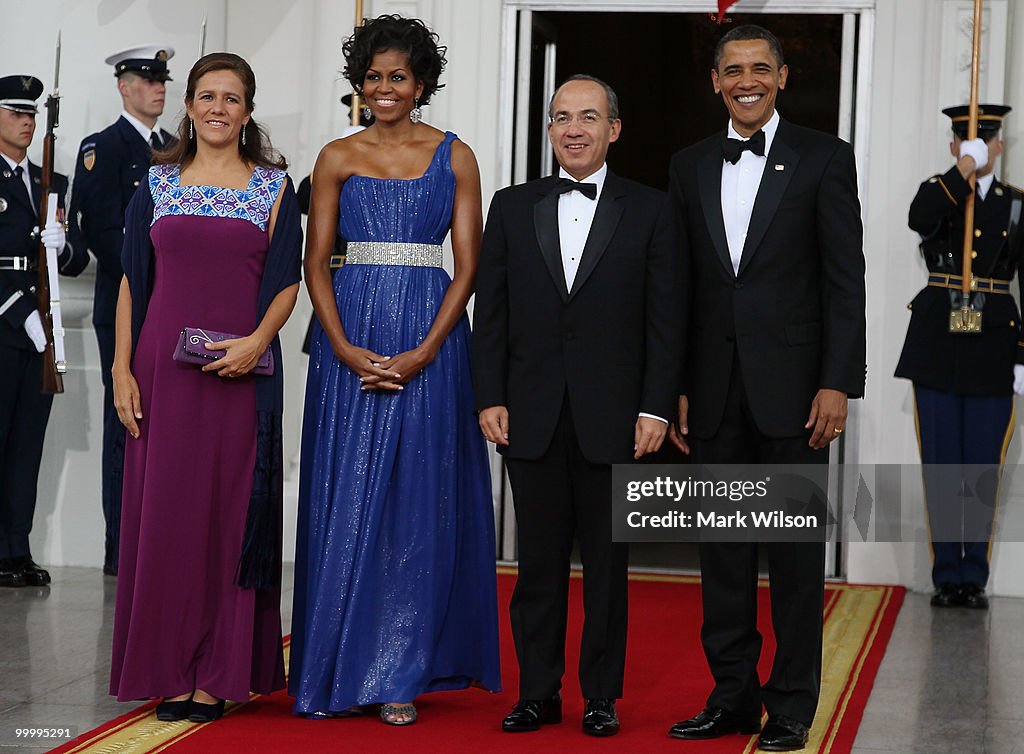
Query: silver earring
x,y
191,131
243,134
416,114
367,112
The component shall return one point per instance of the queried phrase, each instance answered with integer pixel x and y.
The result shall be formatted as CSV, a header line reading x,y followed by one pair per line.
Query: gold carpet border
x,y
853,618
142,733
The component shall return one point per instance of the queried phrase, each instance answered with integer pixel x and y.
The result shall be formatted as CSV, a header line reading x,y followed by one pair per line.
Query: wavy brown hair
x,y
257,148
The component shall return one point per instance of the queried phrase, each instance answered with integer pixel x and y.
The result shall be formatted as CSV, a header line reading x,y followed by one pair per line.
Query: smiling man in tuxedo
x,y
574,368
770,237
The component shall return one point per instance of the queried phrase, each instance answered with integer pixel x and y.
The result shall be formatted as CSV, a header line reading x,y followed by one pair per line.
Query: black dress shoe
x,y
33,574
171,711
530,714
715,722
947,595
782,734
198,712
973,596
109,570
10,575
599,718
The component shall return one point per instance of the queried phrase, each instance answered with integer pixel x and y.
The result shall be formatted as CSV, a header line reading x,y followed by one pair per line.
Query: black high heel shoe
x,y
205,713
171,711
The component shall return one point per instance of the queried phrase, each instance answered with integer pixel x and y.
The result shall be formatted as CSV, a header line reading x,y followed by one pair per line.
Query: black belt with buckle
x,y
989,285
24,264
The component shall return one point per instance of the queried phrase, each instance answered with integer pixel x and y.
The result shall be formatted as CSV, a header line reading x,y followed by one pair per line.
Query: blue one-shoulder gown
x,y
395,562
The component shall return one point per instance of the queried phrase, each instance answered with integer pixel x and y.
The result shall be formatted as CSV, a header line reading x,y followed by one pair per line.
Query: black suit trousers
x,y
729,572
557,496
24,413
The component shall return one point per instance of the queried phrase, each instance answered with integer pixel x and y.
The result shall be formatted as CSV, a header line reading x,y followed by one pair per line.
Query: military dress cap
x,y
148,61
990,119
19,93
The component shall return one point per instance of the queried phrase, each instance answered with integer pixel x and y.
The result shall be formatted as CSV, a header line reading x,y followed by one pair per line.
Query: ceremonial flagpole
x,y
967,319
356,105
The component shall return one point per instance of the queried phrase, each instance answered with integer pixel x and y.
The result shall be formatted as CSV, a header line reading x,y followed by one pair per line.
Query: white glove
x,y
53,236
1018,379
976,148
34,328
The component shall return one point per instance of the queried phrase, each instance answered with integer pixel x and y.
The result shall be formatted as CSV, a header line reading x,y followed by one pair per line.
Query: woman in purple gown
x,y
212,241
394,573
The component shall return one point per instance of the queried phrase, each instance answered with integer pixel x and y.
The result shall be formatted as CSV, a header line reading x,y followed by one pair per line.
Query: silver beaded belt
x,y
409,254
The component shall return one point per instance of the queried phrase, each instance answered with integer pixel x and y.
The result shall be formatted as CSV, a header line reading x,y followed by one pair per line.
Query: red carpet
x,y
666,680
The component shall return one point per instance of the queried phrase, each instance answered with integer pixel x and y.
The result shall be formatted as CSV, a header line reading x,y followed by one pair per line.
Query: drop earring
x,y
243,134
416,114
191,131
367,112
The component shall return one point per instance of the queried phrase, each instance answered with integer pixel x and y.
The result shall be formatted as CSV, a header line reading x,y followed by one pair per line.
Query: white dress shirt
x,y
575,216
740,183
983,184
144,130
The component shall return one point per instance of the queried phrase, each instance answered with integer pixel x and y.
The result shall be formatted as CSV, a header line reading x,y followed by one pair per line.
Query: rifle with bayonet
x,y
47,287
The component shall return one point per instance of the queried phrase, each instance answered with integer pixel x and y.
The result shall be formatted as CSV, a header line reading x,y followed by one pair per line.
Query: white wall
x,y
294,47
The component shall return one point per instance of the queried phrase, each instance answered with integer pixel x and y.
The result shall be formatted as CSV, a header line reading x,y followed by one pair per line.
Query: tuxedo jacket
x,y
110,166
611,341
793,314
975,364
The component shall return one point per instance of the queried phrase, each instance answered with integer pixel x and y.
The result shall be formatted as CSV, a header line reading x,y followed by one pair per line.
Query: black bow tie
x,y
733,148
565,185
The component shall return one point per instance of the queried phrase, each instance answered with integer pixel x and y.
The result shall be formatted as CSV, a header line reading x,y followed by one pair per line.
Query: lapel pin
x,y
7,173
999,191
780,167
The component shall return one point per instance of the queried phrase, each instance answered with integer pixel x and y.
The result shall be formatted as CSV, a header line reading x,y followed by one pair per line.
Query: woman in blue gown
x,y
395,578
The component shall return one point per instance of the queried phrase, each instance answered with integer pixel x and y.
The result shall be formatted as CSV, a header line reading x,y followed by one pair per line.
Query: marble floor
x,y
952,681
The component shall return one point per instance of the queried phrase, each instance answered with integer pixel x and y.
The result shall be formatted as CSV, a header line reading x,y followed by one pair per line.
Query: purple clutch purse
x,y
191,349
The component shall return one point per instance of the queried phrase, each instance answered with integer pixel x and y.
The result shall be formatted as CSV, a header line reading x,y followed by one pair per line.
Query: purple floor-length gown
x,y
180,621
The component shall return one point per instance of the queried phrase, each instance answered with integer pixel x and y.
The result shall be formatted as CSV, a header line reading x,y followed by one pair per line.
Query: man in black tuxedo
x,y
771,241
575,366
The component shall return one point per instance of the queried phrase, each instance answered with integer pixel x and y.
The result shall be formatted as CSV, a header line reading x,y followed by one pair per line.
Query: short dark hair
x,y
408,35
747,32
256,149
613,98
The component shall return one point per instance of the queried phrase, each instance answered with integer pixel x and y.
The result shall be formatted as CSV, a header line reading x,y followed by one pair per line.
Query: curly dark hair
x,y
257,149
408,35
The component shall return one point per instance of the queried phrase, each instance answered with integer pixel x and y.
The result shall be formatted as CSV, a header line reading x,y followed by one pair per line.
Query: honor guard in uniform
x,y
964,382
110,166
24,409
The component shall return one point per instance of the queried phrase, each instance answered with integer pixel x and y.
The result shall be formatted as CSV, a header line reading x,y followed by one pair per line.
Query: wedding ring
x,y
837,430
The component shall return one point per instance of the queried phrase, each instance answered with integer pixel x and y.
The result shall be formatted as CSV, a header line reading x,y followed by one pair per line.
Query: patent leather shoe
x,y
199,712
947,595
32,573
973,596
715,722
599,718
171,711
530,714
10,575
782,734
